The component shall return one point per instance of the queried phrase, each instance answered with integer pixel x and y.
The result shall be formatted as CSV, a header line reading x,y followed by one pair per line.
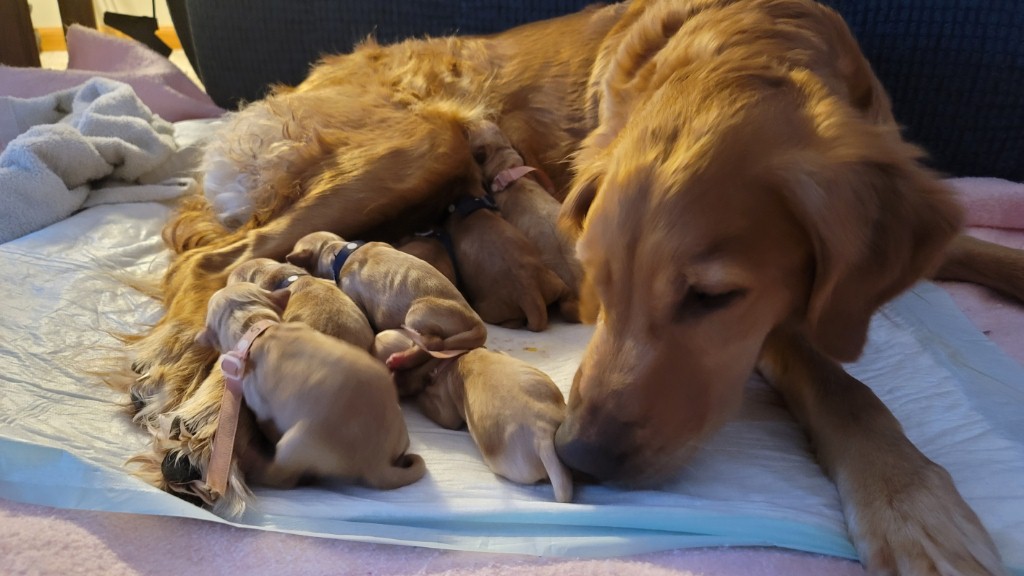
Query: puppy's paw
x,y
918,524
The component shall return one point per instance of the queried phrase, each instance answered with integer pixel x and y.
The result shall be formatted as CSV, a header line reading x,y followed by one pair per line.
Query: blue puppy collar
x,y
342,256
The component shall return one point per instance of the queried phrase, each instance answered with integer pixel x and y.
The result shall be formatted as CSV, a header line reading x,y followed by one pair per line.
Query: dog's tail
x,y
407,469
558,473
195,224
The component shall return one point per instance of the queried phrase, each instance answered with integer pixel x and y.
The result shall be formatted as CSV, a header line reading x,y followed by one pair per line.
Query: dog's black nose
x,y
599,461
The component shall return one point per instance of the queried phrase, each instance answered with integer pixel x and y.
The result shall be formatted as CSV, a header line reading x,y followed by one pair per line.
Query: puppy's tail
x,y
194,225
558,473
407,469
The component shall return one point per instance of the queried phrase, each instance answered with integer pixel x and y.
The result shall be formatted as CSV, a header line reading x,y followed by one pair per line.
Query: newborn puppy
x,y
412,379
300,384
511,409
394,289
430,248
266,273
525,204
314,301
501,271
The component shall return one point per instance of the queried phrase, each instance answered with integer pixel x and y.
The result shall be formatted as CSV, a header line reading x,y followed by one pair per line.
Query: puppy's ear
x,y
878,223
206,337
303,258
280,298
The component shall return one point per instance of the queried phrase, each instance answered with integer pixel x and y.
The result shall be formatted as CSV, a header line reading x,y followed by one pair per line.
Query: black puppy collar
x,y
442,235
468,204
342,256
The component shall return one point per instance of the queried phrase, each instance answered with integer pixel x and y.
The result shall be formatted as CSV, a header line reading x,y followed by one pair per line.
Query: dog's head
x,y
780,207
264,272
234,308
315,252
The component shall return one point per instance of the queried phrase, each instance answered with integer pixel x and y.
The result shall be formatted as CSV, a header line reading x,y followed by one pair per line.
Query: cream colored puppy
x,y
394,289
314,301
511,410
300,384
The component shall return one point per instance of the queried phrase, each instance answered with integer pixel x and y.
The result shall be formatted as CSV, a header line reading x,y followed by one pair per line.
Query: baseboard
x,y
52,39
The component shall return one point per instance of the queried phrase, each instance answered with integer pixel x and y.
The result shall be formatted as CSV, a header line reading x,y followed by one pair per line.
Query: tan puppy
x,y
431,249
266,273
313,301
502,272
300,384
395,289
511,409
414,377
525,204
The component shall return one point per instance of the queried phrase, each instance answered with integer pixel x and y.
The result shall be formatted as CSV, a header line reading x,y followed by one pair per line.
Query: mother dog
x,y
742,199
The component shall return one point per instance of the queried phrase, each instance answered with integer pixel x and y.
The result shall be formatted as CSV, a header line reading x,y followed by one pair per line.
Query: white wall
x,y
45,13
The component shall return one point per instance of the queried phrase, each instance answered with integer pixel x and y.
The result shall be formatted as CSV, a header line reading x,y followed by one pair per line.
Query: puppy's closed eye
x,y
699,302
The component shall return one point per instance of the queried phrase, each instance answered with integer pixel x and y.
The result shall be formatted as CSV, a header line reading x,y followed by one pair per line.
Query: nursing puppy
x,y
395,289
525,204
502,273
430,248
313,301
266,273
416,374
511,409
300,384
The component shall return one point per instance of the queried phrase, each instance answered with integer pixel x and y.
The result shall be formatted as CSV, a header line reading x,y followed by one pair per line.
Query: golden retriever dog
x,y
741,197
394,290
299,383
502,272
313,301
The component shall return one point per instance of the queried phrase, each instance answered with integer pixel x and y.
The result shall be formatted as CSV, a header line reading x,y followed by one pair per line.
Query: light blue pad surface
x,y
63,441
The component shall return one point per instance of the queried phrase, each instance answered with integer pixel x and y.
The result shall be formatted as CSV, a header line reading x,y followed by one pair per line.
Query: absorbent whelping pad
x,y
64,441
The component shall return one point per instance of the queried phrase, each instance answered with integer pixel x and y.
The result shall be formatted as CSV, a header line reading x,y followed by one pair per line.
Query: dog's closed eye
x,y
698,302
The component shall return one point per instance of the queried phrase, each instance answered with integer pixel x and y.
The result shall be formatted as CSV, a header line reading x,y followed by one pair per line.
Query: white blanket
x,y
82,147
64,439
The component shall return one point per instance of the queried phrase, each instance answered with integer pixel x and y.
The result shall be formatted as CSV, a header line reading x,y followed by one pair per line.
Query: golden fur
x,y
742,199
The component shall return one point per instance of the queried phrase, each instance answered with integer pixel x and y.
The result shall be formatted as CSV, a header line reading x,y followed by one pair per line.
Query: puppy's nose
x,y
600,462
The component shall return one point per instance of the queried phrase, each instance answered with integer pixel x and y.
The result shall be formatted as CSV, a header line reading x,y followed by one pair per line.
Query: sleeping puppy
x,y
502,273
430,248
394,289
266,273
511,409
313,301
300,384
525,204
415,375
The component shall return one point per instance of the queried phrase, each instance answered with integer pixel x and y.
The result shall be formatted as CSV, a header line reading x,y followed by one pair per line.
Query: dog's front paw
x,y
917,523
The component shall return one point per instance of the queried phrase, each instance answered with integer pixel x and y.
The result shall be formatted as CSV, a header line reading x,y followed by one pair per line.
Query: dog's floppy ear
x,y
303,258
206,337
577,203
878,222
280,298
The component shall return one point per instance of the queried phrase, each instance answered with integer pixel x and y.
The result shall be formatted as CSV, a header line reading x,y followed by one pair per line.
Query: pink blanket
x,y
36,539
995,212
157,81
